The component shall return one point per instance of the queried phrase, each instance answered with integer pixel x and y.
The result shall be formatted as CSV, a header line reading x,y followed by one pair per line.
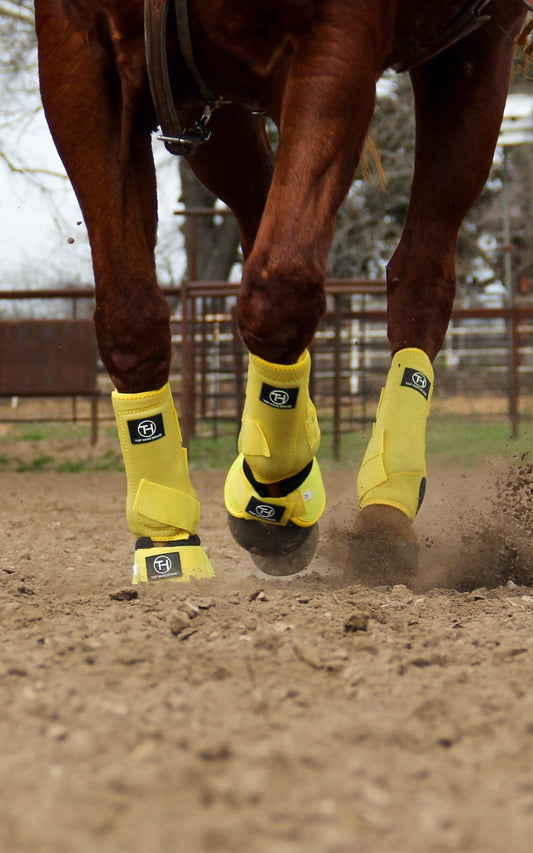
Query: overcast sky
x,y
42,238
36,224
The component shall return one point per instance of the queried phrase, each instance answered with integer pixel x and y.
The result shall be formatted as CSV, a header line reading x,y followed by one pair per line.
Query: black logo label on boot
x,y
417,380
147,429
163,566
265,511
279,398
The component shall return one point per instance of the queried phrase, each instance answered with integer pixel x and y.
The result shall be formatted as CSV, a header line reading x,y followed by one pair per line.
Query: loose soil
x,y
257,714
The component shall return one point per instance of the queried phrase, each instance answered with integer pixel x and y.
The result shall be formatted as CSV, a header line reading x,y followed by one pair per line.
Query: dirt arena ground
x,y
254,714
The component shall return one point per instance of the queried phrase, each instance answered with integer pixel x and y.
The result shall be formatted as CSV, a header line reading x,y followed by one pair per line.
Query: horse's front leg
x,y
274,491
91,96
459,102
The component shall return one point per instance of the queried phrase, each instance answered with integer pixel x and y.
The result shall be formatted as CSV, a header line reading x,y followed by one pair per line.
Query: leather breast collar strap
x,y
185,142
179,141
470,18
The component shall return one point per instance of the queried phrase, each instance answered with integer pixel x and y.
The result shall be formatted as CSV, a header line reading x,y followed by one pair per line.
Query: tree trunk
x,y
217,238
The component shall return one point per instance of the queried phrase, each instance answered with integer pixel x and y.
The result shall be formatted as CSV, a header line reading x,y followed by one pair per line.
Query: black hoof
x,y
275,550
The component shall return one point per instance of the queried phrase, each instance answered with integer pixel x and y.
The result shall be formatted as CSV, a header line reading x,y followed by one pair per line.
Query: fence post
x,y
238,361
188,378
203,361
337,377
514,390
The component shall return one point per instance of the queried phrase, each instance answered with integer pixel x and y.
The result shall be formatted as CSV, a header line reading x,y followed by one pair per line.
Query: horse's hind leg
x,y
459,102
91,89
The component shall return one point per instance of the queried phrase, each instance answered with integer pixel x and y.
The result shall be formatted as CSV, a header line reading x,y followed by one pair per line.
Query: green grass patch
x,y
111,460
213,453
63,447
47,431
456,440
451,439
71,466
40,463
465,441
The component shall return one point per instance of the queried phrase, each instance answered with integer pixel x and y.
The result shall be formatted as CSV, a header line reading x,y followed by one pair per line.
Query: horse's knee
x,y
280,306
135,347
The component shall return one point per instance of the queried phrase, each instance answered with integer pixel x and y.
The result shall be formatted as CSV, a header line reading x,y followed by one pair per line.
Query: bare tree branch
x,y
18,12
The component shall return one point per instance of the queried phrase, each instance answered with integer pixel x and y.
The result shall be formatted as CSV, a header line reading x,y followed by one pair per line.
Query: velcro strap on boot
x,y
167,506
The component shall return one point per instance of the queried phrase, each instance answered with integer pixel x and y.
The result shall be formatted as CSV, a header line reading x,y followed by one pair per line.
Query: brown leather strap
x,y
177,141
470,18
187,52
155,38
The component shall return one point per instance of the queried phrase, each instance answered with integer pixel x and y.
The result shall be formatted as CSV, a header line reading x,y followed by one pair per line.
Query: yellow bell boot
x,y
301,498
278,442
393,471
178,560
274,492
161,503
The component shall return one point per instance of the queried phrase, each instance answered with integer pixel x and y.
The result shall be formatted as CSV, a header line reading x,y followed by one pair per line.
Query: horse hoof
x,y
383,547
275,549
293,562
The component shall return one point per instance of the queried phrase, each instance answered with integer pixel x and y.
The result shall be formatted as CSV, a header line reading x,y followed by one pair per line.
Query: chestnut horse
x,y
111,71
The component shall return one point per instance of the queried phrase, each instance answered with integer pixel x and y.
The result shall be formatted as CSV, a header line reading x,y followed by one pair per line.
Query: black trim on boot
x,y
146,542
290,484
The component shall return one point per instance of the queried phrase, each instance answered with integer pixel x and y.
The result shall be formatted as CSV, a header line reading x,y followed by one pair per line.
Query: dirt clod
x,y
356,622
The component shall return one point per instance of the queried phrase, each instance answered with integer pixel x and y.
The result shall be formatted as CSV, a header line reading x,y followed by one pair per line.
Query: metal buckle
x,y
191,137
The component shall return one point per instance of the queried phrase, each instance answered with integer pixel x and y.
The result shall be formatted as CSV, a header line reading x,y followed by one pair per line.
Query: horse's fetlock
x,y
136,354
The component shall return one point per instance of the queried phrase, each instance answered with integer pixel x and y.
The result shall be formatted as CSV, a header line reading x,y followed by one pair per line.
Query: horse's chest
x,y
248,53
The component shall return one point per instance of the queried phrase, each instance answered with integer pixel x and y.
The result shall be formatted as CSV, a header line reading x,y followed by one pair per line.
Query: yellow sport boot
x,y
275,482
393,471
161,504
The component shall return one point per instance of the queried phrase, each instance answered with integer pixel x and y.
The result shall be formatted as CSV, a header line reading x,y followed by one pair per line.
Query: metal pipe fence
x,y
488,353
